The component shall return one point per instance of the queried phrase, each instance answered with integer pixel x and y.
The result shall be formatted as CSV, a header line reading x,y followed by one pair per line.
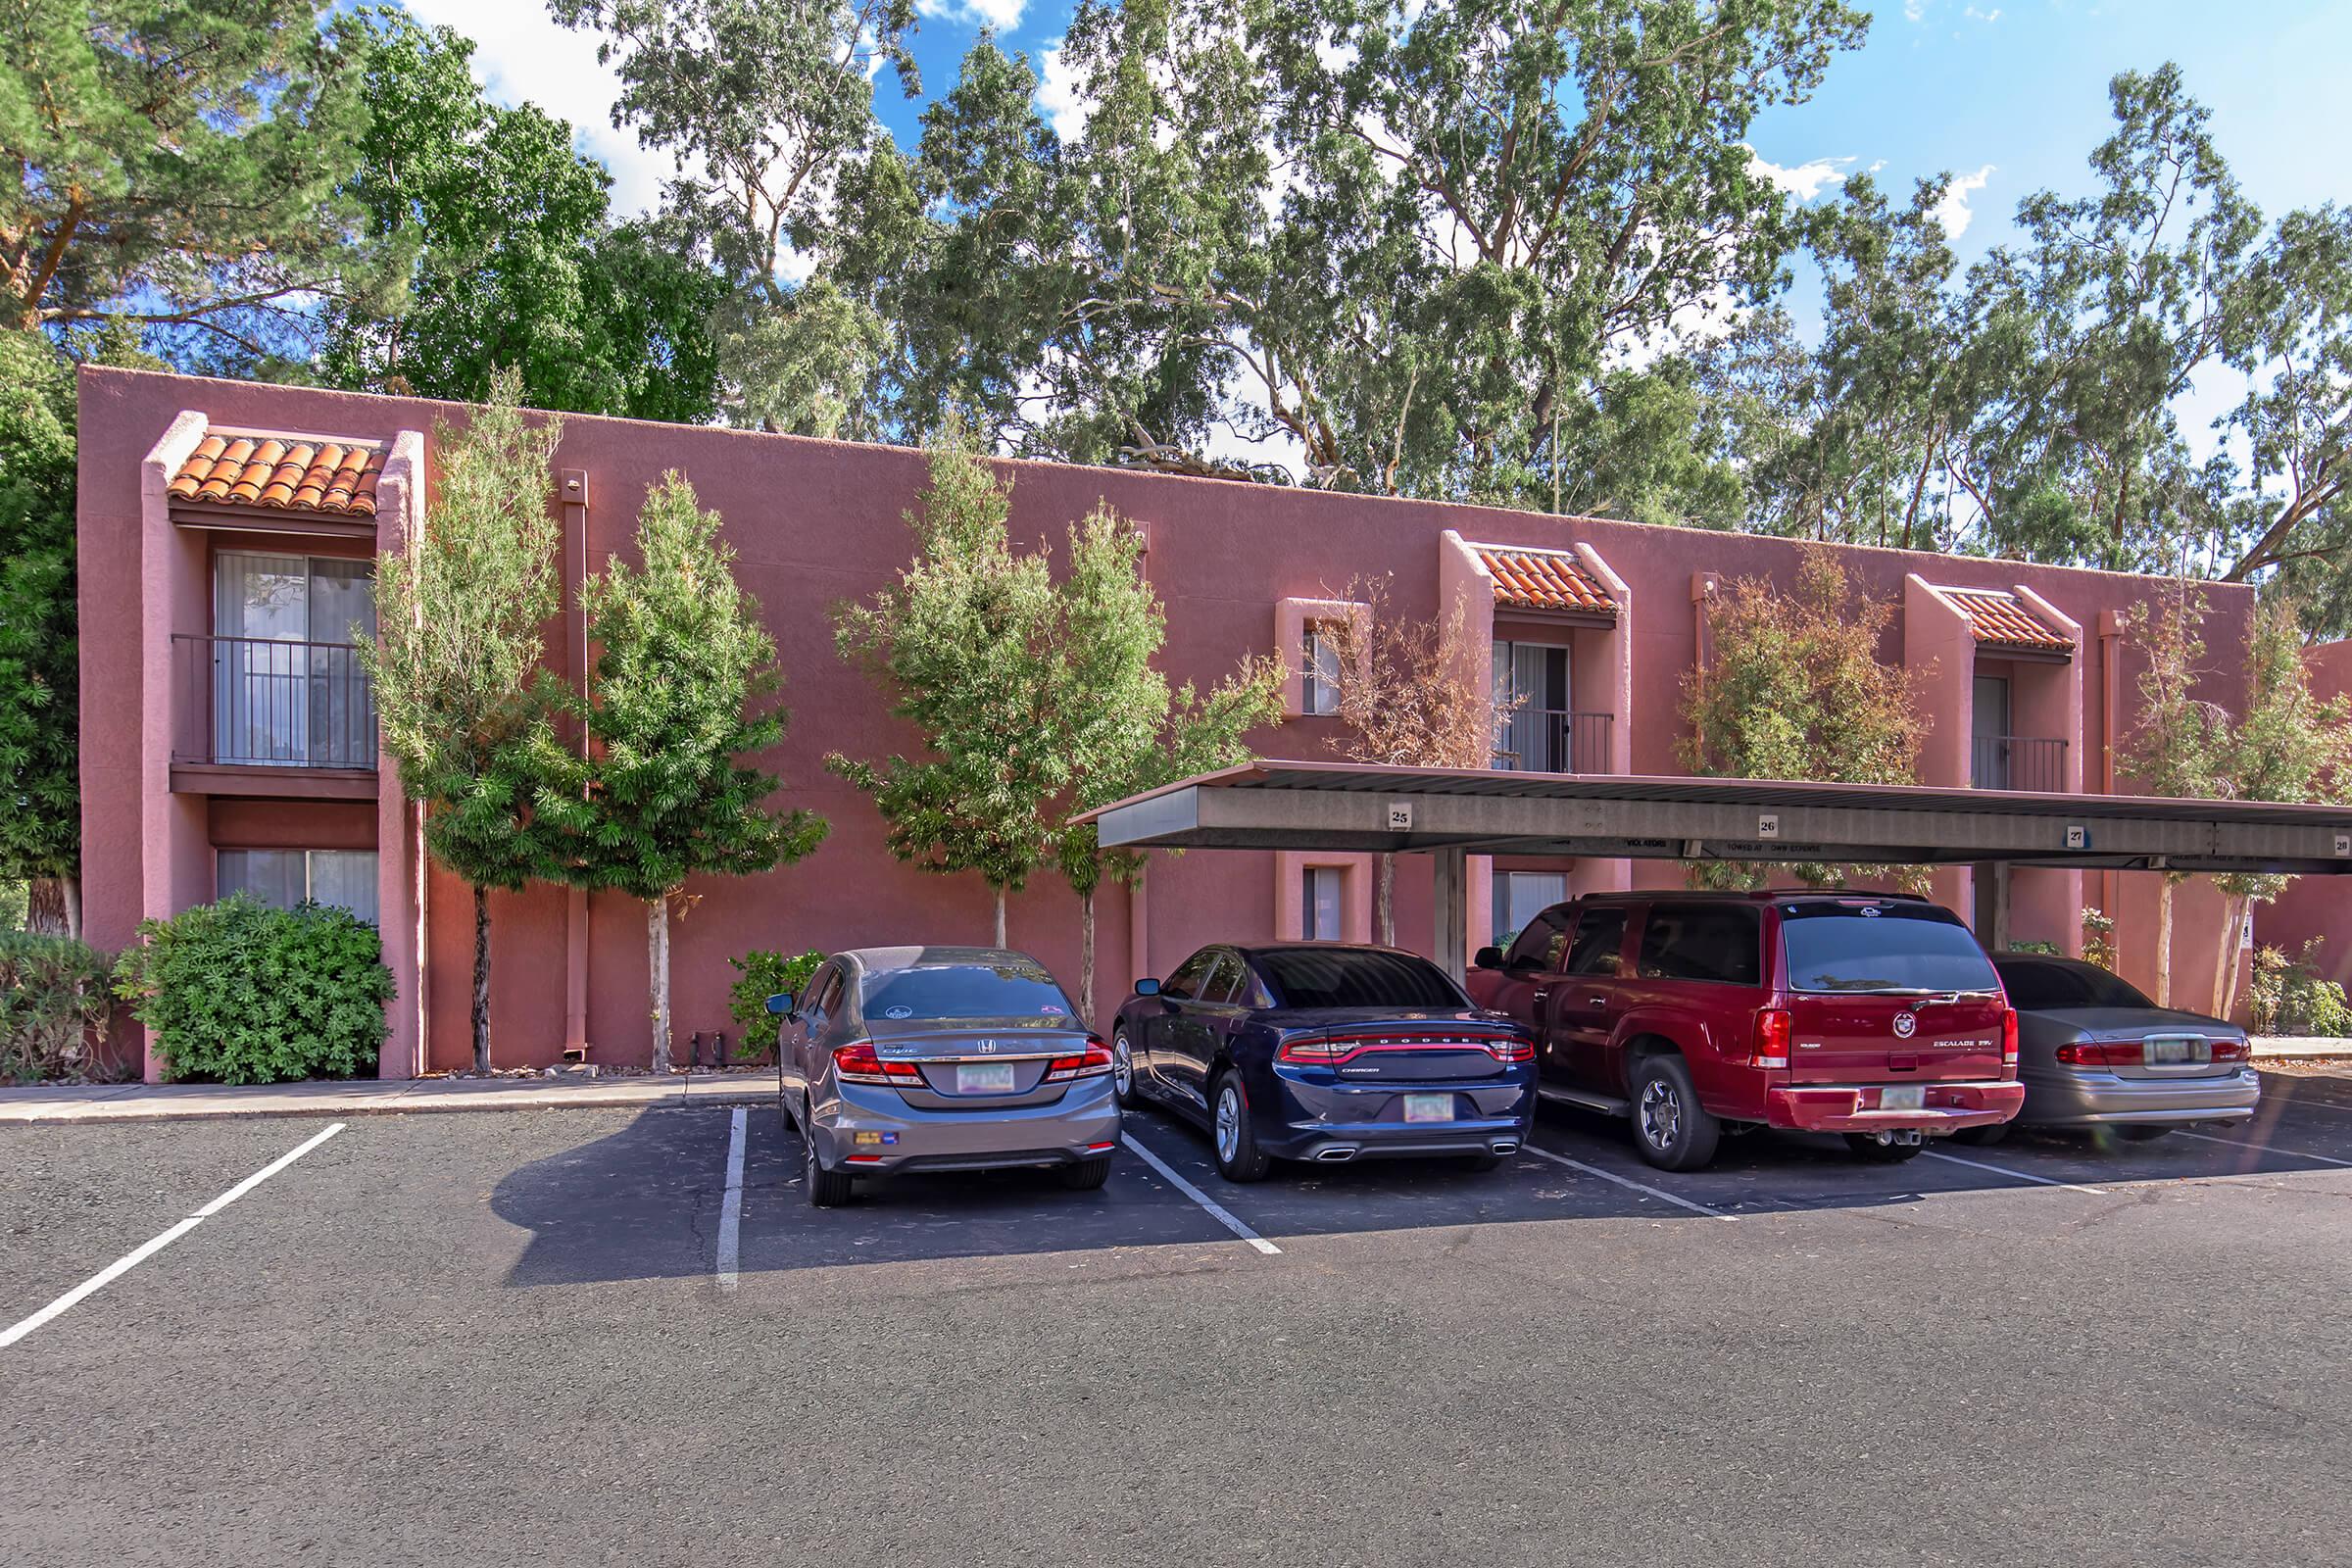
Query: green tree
x,y
1794,690
40,793
964,642
515,262
178,167
1122,730
763,102
681,672
461,703
2179,743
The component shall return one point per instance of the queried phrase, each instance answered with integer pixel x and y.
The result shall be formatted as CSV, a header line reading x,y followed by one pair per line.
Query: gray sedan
x,y
2094,1052
939,1060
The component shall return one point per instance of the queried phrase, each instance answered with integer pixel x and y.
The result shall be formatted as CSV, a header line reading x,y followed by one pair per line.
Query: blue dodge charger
x,y
1316,1051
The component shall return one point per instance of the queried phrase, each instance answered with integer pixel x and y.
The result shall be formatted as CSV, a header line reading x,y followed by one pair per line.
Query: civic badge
x,y
1905,1025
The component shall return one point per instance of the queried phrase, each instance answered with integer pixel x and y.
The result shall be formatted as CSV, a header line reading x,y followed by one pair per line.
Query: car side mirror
x,y
780,1003
1147,988
1487,959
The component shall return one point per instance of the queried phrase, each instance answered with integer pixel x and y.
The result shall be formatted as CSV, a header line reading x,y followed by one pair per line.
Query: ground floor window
x,y
1322,903
283,878
1521,896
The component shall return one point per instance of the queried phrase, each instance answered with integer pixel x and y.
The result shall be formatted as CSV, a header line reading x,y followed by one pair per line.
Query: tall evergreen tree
x,y
2178,746
675,707
40,793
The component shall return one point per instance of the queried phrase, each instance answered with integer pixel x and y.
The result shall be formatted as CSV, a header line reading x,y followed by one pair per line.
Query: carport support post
x,y
1450,892
1994,877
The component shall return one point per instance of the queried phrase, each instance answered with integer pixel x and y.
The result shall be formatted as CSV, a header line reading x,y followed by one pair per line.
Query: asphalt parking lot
x,y
624,1337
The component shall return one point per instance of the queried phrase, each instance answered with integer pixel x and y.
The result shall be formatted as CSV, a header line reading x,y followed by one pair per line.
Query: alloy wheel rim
x,y
1229,1124
1123,1066
1661,1113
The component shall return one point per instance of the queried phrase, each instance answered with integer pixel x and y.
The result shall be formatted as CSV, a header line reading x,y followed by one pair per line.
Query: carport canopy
x,y
1451,813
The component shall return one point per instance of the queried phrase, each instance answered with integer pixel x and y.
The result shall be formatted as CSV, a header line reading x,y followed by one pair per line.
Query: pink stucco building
x,y
228,742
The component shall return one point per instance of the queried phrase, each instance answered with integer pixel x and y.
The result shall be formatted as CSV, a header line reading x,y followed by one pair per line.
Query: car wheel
x,y
2142,1134
1670,1128
1086,1175
1867,1146
1123,1069
1981,1137
827,1189
1238,1159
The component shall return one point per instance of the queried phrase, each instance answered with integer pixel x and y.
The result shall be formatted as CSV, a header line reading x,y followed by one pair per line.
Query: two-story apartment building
x,y
227,532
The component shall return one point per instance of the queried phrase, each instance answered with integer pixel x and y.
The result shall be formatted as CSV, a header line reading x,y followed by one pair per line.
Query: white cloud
x,y
1988,18
521,56
1002,14
1060,95
1952,211
1805,181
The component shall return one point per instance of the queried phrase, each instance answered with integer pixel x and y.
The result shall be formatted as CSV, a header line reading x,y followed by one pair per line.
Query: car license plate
x,y
1903,1097
1429,1107
984,1078
2178,1052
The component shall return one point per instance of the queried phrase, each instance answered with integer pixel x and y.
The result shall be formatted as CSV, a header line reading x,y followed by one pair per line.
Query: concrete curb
x,y
2297,1048
119,1103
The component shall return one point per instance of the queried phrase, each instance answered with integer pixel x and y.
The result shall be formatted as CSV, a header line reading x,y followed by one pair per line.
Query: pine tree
x,y
681,672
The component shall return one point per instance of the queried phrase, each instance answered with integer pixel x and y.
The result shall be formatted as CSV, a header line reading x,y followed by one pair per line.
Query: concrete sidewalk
x,y
364,1096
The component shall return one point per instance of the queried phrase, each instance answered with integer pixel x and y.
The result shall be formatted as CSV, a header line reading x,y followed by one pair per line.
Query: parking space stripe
x,y
2020,1175
132,1260
2268,1148
1625,1181
730,1208
1216,1210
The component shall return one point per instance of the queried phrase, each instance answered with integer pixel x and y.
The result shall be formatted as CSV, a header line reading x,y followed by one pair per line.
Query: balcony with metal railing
x,y
264,716
1553,740
2018,763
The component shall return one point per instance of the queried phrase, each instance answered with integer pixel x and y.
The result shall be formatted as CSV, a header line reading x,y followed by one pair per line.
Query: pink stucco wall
x,y
816,522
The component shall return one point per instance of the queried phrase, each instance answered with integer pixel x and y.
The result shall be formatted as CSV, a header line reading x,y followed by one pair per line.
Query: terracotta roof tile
x,y
2004,620
280,473
1543,579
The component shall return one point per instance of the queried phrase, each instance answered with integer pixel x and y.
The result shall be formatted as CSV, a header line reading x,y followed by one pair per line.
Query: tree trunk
x,y
999,916
1384,901
53,907
657,951
2163,942
70,889
1086,955
481,980
2221,959
2237,954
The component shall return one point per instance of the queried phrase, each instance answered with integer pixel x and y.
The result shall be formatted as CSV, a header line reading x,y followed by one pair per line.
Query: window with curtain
x,y
287,687
1319,909
1535,676
1320,692
1521,896
284,879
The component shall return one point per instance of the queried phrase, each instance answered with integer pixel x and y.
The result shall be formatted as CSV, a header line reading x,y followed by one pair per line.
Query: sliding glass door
x,y
287,687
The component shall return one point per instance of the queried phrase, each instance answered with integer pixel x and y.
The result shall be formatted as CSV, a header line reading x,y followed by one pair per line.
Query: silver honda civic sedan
x,y
2094,1052
898,1059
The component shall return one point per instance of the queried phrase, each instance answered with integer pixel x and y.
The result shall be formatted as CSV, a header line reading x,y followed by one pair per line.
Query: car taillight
x,y
2231,1050
2009,1038
1093,1062
1770,1045
2101,1053
1511,1050
1332,1050
857,1063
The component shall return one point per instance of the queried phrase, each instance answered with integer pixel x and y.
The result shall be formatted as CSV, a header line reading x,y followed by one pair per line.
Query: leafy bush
x,y
2035,944
54,1006
2098,938
762,975
242,994
2287,997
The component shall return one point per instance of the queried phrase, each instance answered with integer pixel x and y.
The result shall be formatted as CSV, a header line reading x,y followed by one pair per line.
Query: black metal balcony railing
x,y
1553,740
259,702
2018,763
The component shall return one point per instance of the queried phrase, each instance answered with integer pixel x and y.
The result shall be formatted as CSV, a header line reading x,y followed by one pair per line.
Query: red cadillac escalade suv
x,y
1874,1015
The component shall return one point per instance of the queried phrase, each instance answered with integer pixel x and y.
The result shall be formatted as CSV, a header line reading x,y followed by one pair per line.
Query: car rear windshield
x,y
966,991
1313,977
2050,985
1880,947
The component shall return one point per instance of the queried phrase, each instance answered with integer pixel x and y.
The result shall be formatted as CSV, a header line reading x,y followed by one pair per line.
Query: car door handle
x,y
1540,996
1601,1003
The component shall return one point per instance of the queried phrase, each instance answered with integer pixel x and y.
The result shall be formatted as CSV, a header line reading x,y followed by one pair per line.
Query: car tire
x,y
827,1189
1087,1175
1125,1087
1868,1148
1233,1133
1672,1130
2143,1133
1981,1137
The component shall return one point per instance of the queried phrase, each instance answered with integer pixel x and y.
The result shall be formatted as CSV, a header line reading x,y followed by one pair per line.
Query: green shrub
x,y
761,975
2286,997
245,995
54,1006
2035,944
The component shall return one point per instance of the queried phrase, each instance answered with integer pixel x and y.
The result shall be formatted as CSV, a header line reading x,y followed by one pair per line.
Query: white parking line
x,y
2020,1175
2268,1148
730,1210
1217,1210
1623,1181
132,1260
